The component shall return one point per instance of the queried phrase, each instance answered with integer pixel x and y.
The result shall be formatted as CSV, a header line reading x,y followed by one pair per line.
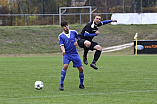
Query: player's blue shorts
x,y
74,58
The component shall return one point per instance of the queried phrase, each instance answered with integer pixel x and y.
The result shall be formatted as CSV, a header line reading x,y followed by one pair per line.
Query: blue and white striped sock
x,y
81,76
63,74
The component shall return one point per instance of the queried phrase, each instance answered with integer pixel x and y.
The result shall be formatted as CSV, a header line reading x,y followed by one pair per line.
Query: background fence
x,y
47,19
46,12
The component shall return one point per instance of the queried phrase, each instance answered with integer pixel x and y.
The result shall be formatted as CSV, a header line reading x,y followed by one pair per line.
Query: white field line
x,y
140,91
118,47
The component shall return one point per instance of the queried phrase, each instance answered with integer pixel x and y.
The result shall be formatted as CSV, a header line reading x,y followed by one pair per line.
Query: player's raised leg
x,y
87,44
96,56
85,55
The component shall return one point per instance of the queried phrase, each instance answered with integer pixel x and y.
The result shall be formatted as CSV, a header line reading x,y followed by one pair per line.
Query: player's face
x,y
97,20
66,28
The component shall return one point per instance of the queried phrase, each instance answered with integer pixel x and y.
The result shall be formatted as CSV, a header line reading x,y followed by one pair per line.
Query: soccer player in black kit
x,y
86,36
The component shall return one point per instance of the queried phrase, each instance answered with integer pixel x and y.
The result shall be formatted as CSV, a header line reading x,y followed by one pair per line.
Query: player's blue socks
x,y
63,74
81,76
94,61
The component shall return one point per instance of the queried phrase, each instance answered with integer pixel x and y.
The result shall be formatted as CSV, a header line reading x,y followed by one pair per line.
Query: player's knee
x,y
80,69
87,44
65,66
98,47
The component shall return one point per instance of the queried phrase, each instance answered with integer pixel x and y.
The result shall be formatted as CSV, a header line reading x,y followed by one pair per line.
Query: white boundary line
x,y
76,95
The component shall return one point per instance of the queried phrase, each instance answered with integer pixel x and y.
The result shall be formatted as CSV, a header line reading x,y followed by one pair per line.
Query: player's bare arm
x,y
63,49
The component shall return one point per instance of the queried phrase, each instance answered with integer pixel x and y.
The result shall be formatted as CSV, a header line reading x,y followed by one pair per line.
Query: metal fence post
x,y
80,18
53,19
25,20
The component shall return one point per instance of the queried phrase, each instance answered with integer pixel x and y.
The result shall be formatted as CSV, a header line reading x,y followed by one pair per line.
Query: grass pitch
x,y
44,39
119,80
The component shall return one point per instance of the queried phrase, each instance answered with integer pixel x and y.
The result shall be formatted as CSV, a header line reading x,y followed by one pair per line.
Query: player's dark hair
x,y
64,23
97,15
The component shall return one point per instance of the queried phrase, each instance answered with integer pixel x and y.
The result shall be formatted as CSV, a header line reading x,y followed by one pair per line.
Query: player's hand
x,y
97,32
63,52
75,43
114,20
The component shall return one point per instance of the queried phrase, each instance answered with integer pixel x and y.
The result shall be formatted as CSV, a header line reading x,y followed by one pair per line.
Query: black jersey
x,y
90,28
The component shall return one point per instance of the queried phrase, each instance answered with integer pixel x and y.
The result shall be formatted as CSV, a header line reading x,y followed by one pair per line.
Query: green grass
x,y
44,39
120,79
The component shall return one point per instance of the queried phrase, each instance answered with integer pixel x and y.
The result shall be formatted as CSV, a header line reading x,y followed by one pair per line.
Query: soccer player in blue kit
x,y
86,36
68,47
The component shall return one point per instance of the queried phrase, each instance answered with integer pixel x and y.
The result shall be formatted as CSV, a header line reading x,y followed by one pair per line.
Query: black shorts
x,y
81,44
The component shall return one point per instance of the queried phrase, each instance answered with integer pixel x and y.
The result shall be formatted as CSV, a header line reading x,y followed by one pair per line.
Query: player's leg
x,y
77,63
63,74
81,76
87,44
85,55
97,54
63,71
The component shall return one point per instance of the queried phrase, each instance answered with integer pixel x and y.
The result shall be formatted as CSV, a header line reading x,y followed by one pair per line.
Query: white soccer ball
x,y
38,85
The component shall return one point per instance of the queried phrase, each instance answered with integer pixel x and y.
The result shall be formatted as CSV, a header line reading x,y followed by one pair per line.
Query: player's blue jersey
x,y
68,41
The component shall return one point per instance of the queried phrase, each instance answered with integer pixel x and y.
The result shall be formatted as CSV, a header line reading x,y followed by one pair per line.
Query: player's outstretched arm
x,y
108,21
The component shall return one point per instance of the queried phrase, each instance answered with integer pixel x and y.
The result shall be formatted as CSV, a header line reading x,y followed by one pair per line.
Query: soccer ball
x,y
38,85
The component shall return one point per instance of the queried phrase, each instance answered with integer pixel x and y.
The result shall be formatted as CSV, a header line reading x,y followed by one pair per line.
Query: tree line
x,y
52,6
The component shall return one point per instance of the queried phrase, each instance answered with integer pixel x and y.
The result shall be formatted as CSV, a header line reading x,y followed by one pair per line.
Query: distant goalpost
x,y
64,8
